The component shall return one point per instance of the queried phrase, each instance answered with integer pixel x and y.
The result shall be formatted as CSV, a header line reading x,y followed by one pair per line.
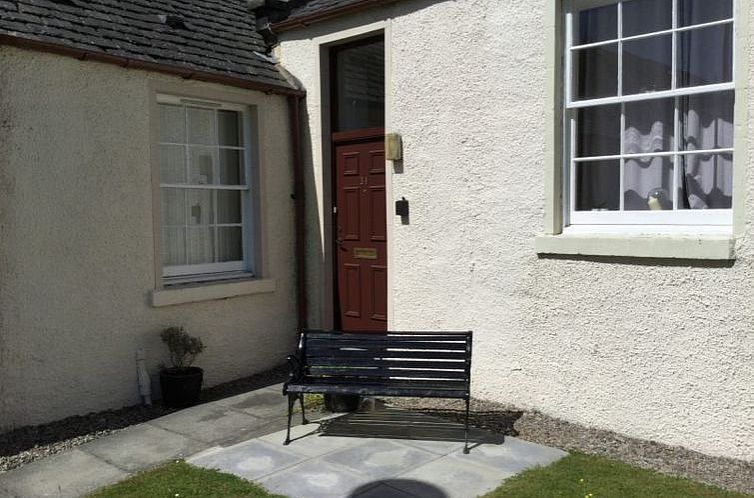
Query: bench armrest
x,y
297,367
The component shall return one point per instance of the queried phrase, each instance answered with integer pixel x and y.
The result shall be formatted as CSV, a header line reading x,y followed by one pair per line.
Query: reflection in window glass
x,y
701,11
598,186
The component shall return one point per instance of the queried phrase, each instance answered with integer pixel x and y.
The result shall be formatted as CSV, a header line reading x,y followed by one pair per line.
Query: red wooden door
x,y
361,230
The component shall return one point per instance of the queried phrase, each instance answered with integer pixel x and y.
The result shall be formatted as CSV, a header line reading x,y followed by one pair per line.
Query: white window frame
x,y
634,221
213,271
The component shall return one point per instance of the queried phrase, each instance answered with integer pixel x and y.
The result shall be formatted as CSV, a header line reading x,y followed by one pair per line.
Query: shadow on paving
x,y
391,488
395,423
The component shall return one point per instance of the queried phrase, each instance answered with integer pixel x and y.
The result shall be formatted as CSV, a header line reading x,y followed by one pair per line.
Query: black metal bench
x,y
408,364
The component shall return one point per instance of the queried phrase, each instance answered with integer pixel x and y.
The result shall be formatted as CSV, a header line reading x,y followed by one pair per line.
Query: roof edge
x,y
300,22
126,62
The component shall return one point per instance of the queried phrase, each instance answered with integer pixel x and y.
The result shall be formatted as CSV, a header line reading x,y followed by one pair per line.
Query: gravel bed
x,y
26,444
735,475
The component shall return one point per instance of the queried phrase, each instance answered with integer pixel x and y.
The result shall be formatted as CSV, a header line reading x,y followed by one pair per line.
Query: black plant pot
x,y
181,387
339,403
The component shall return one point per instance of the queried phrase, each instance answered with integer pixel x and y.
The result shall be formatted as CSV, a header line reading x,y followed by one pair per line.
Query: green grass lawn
x,y
181,480
577,476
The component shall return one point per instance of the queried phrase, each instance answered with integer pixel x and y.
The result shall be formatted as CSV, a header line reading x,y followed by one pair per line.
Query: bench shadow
x,y
396,423
391,488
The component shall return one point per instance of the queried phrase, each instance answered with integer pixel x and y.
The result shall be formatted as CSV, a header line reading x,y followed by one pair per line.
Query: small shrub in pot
x,y
182,383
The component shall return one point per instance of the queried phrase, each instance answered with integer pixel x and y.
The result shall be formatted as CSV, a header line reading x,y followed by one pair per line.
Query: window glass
x,y
598,131
650,126
647,16
203,187
598,186
598,24
596,72
360,86
705,56
707,181
648,64
648,184
702,11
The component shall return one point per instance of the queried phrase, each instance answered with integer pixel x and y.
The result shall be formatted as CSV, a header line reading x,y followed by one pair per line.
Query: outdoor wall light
x,y
401,207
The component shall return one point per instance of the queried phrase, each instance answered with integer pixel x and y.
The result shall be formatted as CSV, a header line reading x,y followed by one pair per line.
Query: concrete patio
x,y
386,452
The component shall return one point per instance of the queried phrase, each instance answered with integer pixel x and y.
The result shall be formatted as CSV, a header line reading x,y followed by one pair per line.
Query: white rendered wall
x,y
647,348
77,245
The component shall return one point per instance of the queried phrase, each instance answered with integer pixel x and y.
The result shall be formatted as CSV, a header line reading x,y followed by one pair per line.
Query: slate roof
x,y
209,37
313,10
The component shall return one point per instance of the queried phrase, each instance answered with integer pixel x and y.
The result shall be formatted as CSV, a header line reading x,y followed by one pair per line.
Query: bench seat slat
x,y
394,383
376,390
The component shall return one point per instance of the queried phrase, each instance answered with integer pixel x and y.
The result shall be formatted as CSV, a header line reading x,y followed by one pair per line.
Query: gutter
x,y
294,104
189,74
300,22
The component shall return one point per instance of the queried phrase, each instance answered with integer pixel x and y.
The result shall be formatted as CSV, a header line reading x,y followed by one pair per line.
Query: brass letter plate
x,y
364,253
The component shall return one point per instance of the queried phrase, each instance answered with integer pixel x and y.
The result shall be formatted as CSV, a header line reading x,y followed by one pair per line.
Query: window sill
x,y
721,247
208,291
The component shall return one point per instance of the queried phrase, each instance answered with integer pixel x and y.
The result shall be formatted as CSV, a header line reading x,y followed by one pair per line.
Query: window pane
x,y
231,167
648,184
201,126
596,72
228,206
707,181
173,246
229,244
200,246
650,126
360,86
705,56
230,128
173,206
647,64
598,24
707,121
172,124
701,11
598,131
200,207
172,164
202,165
647,16
598,186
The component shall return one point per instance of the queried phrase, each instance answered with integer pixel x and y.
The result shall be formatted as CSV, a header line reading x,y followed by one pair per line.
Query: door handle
x,y
339,242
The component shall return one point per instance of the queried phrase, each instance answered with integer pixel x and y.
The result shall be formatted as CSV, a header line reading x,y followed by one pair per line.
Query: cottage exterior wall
x,y
77,262
654,349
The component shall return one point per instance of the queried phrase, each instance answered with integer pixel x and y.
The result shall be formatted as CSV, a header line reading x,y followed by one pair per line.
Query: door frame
x,y
328,310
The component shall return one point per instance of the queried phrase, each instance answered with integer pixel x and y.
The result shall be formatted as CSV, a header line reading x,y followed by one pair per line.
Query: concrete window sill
x,y
721,248
208,291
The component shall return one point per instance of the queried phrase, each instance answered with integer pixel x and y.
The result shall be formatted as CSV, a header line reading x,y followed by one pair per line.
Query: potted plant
x,y
181,384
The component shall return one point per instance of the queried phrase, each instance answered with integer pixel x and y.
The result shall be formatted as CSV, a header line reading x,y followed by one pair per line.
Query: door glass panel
x,y
360,86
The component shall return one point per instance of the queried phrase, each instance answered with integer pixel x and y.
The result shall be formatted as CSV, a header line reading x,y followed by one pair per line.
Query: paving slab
x,y
264,403
250,460
142,445
67,475
306,440
512,457
312,479
210,423
452,477
379,459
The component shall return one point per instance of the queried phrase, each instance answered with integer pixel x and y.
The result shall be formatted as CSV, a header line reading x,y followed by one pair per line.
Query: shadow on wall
x,y
394,487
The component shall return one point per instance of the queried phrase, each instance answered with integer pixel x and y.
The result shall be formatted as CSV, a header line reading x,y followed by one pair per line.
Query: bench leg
x,y
291,402
466,434
303,413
